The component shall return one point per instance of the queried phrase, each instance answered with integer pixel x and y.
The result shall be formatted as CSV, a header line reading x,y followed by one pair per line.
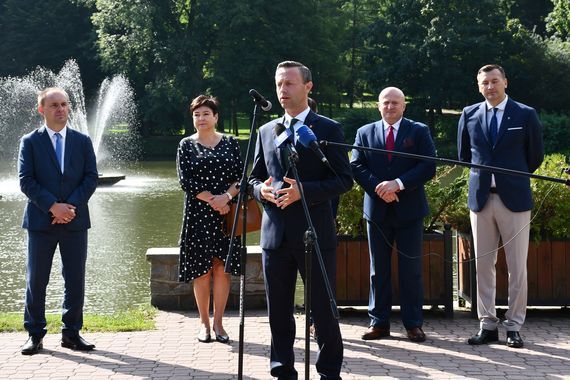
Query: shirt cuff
x,y
400,184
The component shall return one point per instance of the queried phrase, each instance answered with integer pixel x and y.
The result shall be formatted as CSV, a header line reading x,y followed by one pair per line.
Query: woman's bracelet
x,y
229,195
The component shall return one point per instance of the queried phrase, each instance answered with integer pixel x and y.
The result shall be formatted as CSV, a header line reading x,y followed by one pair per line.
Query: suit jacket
x,y
44,184
287,227
371,168
519,146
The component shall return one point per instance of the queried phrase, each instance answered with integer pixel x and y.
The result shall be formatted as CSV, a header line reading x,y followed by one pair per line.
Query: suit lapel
x,y
506,121
483,123
48,146
69,138
402,133
278,151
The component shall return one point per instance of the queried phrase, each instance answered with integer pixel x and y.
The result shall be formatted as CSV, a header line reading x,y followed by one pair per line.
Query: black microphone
x,y
259,99
283,140
308,139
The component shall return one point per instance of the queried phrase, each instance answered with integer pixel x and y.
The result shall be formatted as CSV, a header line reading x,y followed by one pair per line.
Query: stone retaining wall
x,y
168,294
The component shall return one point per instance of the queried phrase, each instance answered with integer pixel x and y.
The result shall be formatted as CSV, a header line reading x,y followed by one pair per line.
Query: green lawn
x,y
138,319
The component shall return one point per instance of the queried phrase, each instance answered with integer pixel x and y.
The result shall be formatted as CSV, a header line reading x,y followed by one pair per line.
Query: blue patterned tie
x,y
493,127
58,149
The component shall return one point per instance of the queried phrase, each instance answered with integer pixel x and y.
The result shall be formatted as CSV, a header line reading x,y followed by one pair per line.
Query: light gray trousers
x,y
494,221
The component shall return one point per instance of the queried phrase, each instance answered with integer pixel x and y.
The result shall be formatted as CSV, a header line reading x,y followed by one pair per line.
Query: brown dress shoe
x,y
376,332
416,335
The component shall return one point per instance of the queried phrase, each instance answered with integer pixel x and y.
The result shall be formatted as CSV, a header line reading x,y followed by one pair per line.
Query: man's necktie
x,y
58,149
291,124
493,127
390,142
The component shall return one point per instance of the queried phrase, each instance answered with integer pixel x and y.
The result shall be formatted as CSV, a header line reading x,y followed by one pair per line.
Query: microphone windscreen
x,y
279,128
306,136
282,135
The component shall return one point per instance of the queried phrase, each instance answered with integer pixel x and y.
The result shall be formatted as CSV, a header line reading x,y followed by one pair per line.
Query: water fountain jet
x,y
111,128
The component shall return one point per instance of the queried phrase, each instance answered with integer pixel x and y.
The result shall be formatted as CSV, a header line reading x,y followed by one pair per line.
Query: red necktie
x,y
390,142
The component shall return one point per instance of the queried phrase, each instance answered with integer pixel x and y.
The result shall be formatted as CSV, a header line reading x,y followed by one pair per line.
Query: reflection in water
x,y
140,212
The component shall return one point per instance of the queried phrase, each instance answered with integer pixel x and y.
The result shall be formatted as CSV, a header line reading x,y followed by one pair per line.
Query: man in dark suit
x,y
504,133
284,223
58,174
394,206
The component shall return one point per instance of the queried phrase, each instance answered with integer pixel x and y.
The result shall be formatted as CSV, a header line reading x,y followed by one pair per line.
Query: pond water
x,y
140,212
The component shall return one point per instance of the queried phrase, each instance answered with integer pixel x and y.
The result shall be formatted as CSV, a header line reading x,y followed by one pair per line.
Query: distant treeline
x,y
172,50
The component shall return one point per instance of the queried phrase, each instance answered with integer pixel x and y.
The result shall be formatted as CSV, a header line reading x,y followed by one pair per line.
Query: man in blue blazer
x,y
504,133
58,174
394,207
284,223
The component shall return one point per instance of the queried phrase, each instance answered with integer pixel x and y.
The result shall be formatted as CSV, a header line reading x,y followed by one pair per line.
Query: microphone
x,y
308,139
259,99
283,140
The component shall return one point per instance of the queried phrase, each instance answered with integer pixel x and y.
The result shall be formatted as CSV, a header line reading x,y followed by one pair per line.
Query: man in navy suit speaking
x,y
284,224
394,207
504,133
58,174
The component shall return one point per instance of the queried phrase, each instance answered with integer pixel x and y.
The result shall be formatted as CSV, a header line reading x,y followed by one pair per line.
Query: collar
x,y
301,117
396,125
51,132
501,106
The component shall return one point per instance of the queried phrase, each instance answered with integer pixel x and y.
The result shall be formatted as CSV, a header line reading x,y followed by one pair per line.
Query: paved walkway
x,y
171,351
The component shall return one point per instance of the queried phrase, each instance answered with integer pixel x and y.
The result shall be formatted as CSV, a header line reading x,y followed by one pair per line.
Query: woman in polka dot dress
x,y
209,168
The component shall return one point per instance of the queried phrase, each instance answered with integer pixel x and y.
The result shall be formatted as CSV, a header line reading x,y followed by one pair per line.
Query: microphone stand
x,y
311,243
494,169
242,205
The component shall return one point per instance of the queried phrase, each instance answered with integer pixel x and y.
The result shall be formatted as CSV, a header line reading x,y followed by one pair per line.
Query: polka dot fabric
x,y
204,169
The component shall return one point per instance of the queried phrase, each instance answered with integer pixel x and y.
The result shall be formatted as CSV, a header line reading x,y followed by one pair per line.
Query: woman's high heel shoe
x,y
204,335
222,338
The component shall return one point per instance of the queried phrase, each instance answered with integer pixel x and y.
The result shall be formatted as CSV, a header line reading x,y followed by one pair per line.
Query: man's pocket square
x,y
514,128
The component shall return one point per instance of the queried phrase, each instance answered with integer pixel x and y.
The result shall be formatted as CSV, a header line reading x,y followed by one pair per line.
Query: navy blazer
x,y
371,168
286,227
519,146
44,184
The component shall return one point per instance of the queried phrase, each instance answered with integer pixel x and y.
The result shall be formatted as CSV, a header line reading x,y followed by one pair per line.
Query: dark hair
x,y
305,72
312,104
491,67
205,101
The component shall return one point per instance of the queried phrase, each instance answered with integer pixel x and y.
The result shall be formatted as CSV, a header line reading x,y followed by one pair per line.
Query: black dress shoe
x,y
32,346
484,337
76,343
222,338
514,339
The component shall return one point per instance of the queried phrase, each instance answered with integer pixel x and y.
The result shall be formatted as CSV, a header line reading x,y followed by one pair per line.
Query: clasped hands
x,y
387,190
219,203
283,197
63,213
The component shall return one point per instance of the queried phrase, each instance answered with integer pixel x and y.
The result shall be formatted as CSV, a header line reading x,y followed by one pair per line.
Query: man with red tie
x,y
394,207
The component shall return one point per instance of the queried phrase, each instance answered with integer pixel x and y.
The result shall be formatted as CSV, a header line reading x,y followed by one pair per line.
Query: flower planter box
x,y
353,271
548,266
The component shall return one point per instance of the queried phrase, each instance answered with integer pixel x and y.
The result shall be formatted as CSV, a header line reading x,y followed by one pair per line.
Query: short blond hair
x,y
42,95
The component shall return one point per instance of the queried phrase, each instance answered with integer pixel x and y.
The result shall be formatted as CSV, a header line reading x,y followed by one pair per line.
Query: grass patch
x,y
137,319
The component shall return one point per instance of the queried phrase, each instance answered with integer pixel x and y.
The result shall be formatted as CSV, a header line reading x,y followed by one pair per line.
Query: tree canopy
x,y
173,50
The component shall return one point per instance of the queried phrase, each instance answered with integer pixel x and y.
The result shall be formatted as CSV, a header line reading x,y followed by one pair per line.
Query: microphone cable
x,y
375,225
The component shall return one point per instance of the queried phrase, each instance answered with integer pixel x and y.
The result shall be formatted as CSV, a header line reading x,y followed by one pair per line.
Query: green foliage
x,y
552,202
47,34
447,199
556,132
349,216
558,21
354,118
136,319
